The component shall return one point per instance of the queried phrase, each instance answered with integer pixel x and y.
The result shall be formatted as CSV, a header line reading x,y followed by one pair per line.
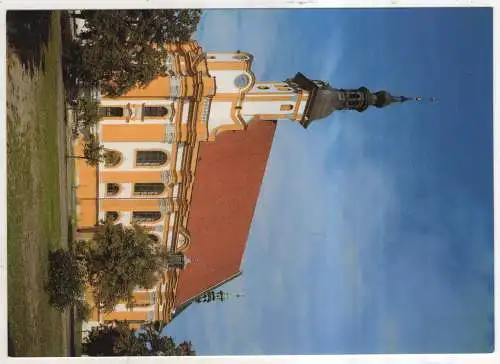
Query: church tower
x,y
323,99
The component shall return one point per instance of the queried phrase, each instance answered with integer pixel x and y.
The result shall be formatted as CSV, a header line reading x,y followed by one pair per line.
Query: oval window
x,y
112,158
240,57
154,238
112,189
112,215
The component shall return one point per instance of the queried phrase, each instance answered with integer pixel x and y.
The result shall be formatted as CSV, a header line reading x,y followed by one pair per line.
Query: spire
x,y
423,99
324,99
402,99
384,98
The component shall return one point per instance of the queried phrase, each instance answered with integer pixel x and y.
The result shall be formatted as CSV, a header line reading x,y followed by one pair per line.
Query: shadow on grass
x,y
28,34
11,347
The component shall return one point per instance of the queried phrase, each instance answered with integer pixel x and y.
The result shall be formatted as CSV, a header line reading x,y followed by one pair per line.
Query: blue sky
x,y
373,231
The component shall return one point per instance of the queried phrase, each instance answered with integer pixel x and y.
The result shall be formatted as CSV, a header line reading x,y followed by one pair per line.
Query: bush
x,y
66,279
83,311
87,110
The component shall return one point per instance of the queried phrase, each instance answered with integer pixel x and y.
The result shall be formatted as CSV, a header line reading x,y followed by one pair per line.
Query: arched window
x,y
263,87
286,107
149,188
151,158
112,189
154,111
112,158
281,88
112,215
146,216
176,260
111,111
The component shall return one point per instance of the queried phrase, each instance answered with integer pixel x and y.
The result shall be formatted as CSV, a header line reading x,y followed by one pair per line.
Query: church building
x,y
190,151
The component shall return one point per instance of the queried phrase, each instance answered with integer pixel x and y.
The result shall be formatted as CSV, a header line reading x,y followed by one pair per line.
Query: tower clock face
x,y
241,81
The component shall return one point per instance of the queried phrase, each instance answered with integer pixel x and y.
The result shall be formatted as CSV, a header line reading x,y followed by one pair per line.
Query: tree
x,y
117,260
112,340
125,48
118,339
94,152
66,279
87,111
159,344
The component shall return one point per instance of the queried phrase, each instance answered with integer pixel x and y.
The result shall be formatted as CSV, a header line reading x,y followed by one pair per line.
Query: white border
x,y
386,359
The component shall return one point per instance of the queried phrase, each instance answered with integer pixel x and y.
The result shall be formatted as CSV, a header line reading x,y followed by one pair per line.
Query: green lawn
x,y
33,201
78,335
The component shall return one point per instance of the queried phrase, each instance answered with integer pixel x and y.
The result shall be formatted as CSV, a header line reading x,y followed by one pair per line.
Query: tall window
x,y
146,216
112,189
154,111
286,107
149,188
151,158
111,111
112,215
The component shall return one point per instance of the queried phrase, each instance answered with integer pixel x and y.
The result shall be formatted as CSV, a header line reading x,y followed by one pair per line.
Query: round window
x,y
242,81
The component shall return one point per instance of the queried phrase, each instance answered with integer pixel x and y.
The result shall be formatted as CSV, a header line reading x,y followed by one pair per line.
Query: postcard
x,y
216,182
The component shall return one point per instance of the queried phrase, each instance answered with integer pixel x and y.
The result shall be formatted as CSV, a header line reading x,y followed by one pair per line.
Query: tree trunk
x,y
82,157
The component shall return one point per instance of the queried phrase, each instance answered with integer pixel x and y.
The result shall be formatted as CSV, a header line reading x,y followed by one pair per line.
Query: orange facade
x,y
185,184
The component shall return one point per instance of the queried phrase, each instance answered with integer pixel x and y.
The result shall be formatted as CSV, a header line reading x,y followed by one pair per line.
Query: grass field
x,y
34,106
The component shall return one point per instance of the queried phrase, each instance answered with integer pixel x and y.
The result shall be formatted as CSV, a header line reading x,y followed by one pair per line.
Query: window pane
x,y
149,188
108,111
112,188
146,216
157,111
151,158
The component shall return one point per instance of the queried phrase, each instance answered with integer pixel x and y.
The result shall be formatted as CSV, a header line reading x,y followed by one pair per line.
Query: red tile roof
x,y
226,187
